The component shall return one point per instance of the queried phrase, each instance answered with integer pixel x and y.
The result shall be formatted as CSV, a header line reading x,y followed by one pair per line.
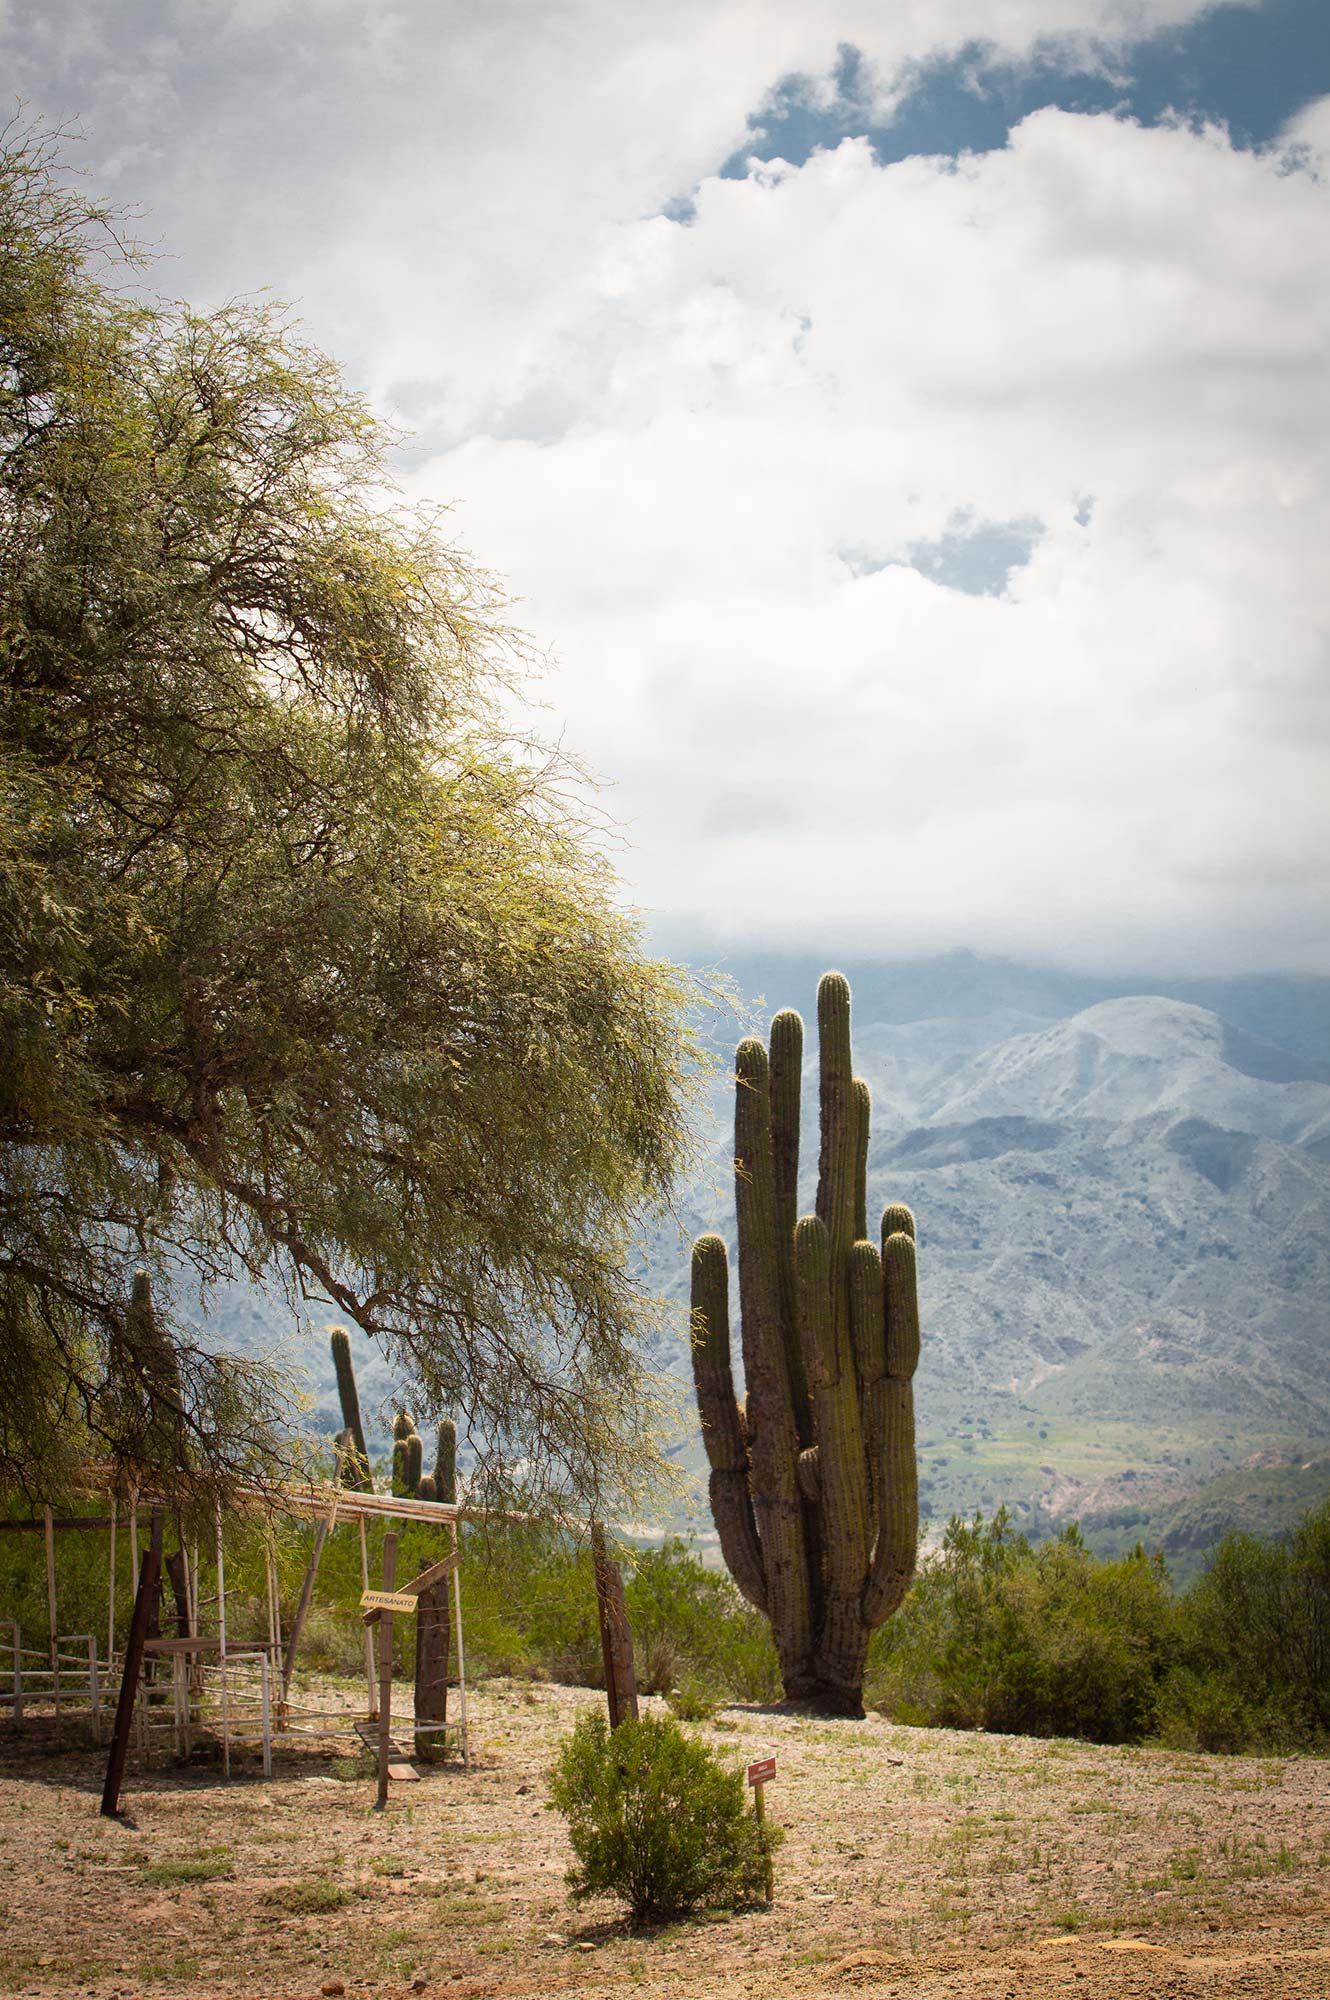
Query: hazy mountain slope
x,y
1125,1231
1124,1208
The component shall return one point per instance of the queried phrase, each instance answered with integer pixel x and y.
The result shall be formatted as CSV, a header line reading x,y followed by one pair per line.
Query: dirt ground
x,y
917,1863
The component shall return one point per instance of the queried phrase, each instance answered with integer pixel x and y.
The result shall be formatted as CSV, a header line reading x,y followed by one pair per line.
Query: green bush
x,y
998,1635
692,1700
655,1819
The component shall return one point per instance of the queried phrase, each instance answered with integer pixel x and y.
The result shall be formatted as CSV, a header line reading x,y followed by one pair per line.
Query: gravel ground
x,y
917,1863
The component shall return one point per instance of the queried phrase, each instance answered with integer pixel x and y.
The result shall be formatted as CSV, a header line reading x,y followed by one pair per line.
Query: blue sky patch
x,y
1250,67
977,557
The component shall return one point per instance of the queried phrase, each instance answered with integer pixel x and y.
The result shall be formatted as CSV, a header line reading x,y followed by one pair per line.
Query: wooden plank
x,y
372,1602
434,1574
58,1522
403,1774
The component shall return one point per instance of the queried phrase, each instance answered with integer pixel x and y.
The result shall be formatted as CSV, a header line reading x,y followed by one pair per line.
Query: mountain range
x,y
1123,1199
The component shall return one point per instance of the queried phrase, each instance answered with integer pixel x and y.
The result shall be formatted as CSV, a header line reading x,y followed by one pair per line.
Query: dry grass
x,y
917,1861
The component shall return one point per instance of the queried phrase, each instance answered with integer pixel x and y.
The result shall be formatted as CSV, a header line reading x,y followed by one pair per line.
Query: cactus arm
x,y
836,1170
445,1463
843,1473
415,1454
898,1492
787,1070
773,1439
863,1115
723,1430
399,1468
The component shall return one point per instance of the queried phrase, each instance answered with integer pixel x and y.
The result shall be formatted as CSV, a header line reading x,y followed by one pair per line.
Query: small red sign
x,y
762,1772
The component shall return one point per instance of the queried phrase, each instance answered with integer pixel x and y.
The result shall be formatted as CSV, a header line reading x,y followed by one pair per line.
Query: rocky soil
x,y
917,1863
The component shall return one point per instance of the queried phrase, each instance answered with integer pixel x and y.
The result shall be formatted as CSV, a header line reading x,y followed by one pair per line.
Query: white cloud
x,y
668,437
1122,758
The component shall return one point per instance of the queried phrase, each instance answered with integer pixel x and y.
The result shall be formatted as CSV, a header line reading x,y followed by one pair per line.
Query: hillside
x,y
1124,1207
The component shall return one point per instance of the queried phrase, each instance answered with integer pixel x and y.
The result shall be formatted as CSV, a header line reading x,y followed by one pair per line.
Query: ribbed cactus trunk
x,y
354,1457
814,1487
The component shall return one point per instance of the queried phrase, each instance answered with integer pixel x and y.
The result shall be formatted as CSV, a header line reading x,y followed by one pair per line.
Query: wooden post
x,y
149,1579
616,1637
48,1526
759,1808
760,1775
386,1672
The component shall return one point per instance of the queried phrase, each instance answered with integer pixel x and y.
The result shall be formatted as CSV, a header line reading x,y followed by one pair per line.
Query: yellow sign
x,y
387,1600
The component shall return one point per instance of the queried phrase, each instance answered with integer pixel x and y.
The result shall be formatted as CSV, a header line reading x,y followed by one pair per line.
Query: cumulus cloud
x,y
1117,334
736,468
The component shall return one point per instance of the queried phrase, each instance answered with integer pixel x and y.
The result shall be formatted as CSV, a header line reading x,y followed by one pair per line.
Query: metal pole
x,y
369,1629
110,1596
386,1672
461,1661
94,1690
265,1698
221,1648
49,1525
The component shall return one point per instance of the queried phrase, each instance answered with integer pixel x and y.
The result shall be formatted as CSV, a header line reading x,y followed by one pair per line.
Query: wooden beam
x,y
58,1521
150,1577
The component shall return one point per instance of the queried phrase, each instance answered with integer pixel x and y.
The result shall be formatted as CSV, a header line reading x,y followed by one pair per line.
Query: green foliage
x,y
1039,1641
1050,1640
716,1641
307,969
655,1819
1258,1627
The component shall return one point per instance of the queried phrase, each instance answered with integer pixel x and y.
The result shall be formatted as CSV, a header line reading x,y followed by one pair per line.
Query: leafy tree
x,y
307,966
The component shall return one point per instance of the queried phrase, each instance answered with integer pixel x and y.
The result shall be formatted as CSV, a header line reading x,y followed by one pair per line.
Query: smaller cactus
x,y
426,1489
399,1469
415,1452
445,1463
403,1424
355,1462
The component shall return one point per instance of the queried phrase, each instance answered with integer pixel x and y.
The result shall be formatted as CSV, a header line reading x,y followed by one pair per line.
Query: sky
x,y
903,424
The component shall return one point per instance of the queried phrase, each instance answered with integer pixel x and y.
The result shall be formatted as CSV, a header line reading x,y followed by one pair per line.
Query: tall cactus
x,y
354,1460
814,1486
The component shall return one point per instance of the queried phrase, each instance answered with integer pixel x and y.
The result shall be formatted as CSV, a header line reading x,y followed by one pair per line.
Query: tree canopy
x,y
307,966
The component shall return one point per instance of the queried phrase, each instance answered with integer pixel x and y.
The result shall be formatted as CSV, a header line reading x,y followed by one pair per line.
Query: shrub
x,y
655,1819
692,1700
1045,1642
